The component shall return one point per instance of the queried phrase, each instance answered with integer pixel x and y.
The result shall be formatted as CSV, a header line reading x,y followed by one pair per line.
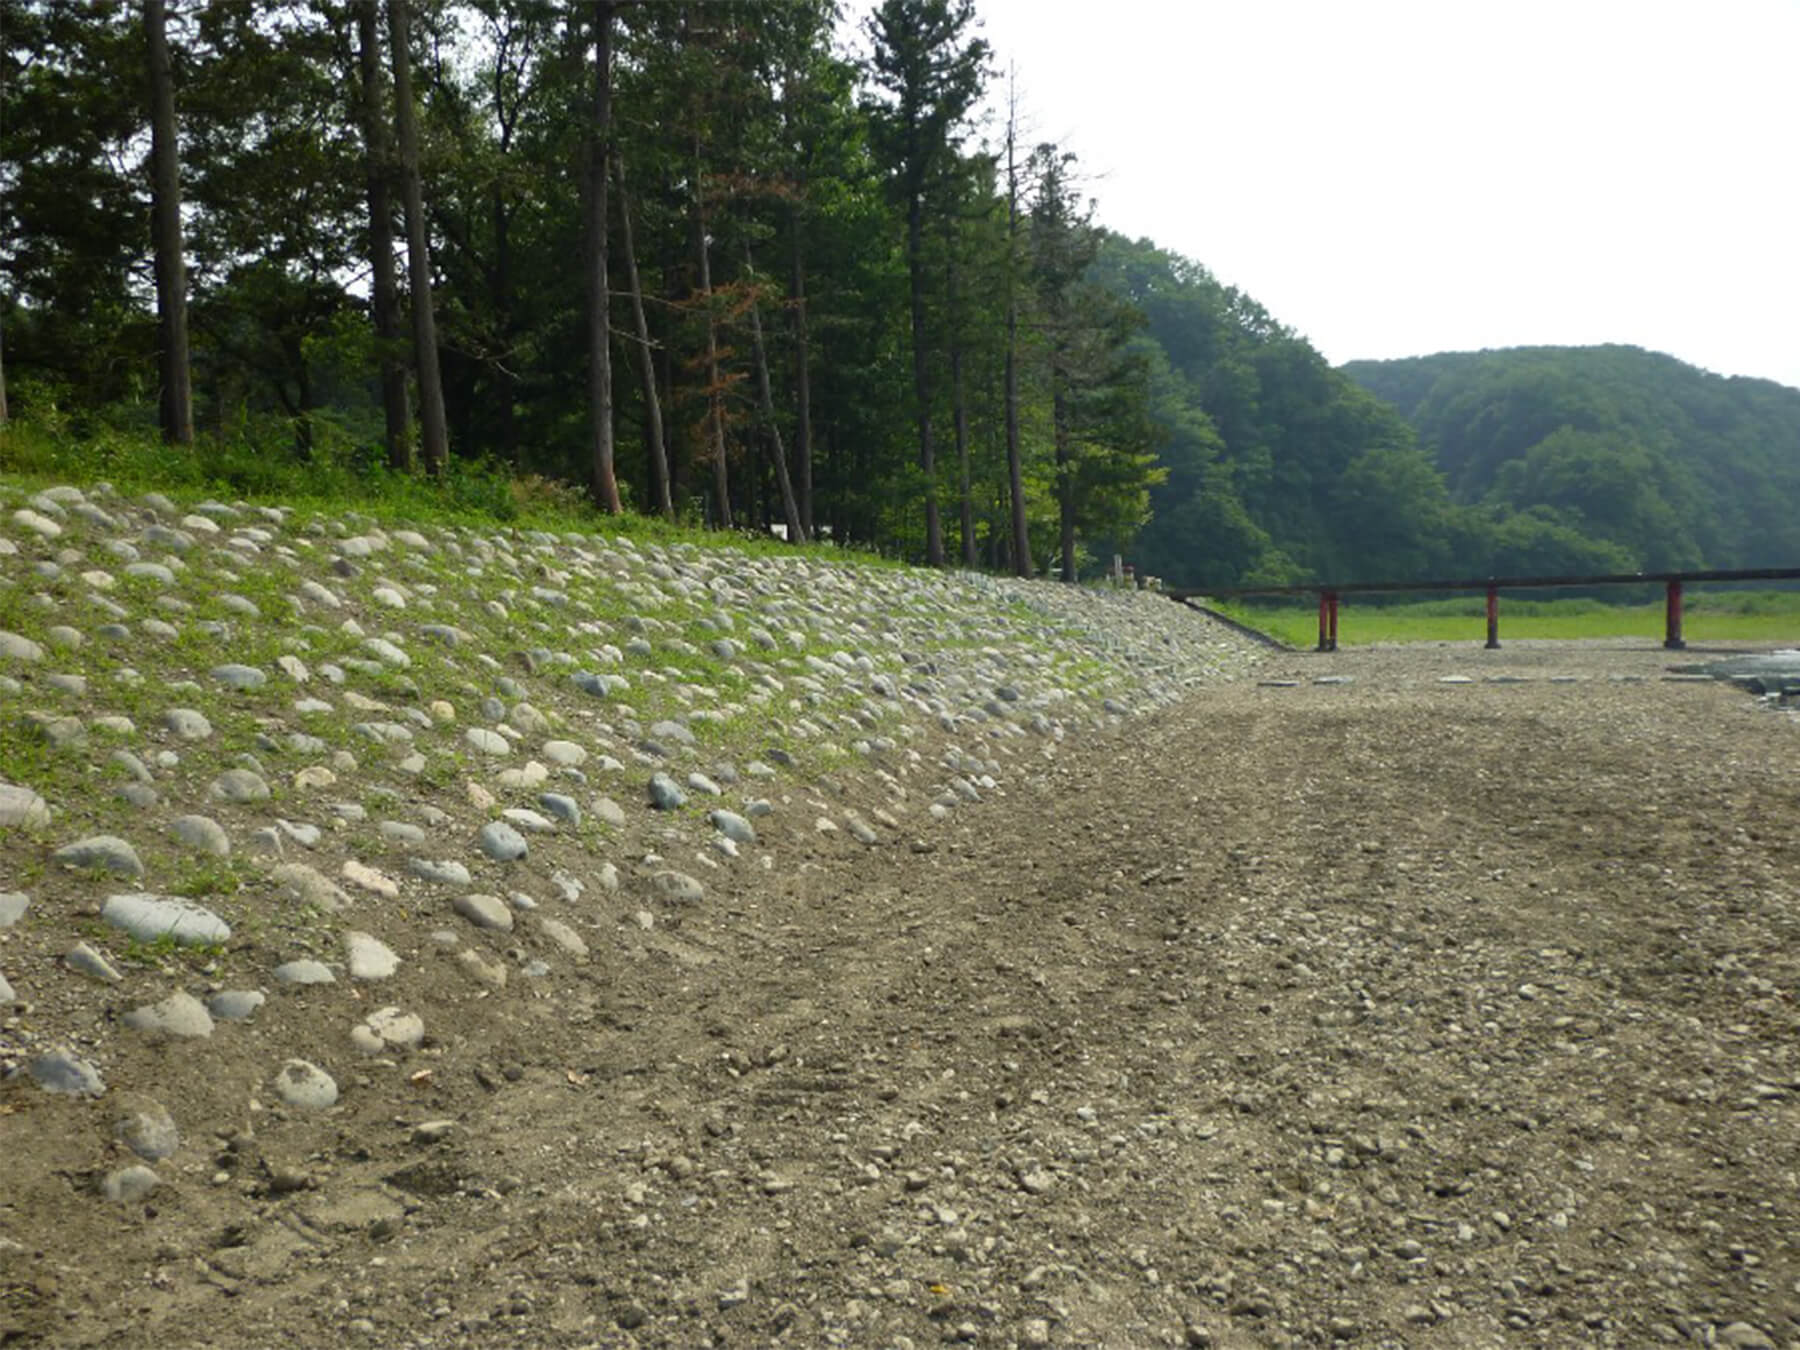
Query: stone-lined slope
x,y
288,802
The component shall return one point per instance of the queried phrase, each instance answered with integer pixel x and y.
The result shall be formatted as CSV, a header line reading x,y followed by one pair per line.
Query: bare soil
x,y
1394,1013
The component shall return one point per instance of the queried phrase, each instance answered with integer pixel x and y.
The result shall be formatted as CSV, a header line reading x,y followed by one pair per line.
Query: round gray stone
x,y
149,918
678,887
236,1005
62,1072
487,742
666,793
388,1029
305,1085
16,648
566,753
443,872
733,826
234,676
101,853
501,842
202,833
563,808
21,806
129,1185
304,971
187,724
484,911
180,1016
146,1128
239,785
370,958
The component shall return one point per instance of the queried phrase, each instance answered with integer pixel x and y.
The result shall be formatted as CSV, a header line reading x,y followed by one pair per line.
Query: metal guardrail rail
x,y
1329,593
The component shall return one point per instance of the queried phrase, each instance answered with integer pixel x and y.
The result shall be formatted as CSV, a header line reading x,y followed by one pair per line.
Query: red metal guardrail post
x,y
1324,621
1334,607
1672,638
1493,618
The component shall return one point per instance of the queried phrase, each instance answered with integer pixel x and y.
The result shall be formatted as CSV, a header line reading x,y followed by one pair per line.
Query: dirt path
x,y
1395,1013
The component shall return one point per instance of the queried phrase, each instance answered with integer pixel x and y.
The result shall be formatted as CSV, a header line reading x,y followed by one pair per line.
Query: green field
x,y
1724,615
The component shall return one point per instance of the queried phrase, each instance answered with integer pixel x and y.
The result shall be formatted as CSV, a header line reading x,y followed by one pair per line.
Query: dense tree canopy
x,y
707,253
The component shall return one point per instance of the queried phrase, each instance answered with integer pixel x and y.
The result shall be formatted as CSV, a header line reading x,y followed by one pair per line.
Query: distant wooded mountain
x,y
1663,464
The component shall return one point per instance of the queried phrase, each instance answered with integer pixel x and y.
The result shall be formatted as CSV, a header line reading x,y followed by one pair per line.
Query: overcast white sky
x,y
1395,177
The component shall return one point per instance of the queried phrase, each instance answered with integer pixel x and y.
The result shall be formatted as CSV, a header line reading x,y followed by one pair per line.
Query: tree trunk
x,y
654,445
384,297
958,405
177,404
436,435
506,391
600,398
1065,476
790,509
803,434
915,267
1015,473
715,395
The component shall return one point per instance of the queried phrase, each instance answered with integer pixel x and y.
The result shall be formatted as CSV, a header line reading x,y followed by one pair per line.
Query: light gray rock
x,y
307,836
733,826
487,742
699,782
308,886
666,793
304,971
388,1029
240,677
22,649
241,786
67,1074
187,724
180,1016
402,832
529,821
672,732
133,766
677,887
442,872
484,911
563,936
369,957
565,753
129,1185
387,653
20,806
146,1128
101,853
150,918
563,808
305,1085
608,811
7,996
501,842
13,905
203,834
236,1005
84,960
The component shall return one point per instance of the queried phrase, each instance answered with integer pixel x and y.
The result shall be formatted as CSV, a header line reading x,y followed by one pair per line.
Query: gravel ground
x,y
1393,1012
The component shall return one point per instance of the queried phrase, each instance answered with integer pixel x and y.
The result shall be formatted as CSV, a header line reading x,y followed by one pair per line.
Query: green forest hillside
x,y
1672,465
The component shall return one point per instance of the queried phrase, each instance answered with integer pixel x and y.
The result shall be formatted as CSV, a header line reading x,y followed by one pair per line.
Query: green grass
x,y
1765,616
256,464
